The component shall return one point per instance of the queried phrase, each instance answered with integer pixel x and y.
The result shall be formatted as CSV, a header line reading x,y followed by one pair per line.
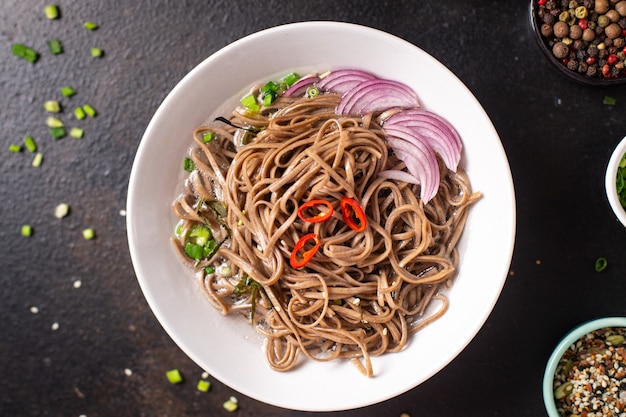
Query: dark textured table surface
x,y
76,334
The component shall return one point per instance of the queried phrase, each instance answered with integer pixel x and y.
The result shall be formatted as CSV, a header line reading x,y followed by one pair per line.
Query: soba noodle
x,y
363,293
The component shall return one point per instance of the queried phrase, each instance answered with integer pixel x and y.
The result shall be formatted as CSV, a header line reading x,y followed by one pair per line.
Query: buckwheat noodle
x,y
363,293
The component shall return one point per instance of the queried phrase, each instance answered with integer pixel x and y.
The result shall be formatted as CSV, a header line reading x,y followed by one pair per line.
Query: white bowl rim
x,y
609,181
571,337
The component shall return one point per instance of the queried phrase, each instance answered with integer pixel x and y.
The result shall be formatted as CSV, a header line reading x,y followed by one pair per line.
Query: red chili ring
x,y
297,262
316,204
353,213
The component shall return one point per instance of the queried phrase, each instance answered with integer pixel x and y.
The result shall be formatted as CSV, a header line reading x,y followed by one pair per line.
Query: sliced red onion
x,y
419,158
300,86
396,174
435,130
377,95
342,80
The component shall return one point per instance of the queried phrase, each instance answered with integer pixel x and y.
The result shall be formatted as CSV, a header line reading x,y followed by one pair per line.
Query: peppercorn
x,y
572,65
546,30
561,29
603,21
560,50
612,15
581,12
575,32
601,6
613,30
589,35
621,8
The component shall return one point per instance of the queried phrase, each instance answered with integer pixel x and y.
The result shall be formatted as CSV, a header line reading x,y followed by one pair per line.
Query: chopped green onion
x,y
90,25
188,164
609,101
15,148
209,270
312,92
269,98
200,234
51,11
231,404
96,52
290,78
601,264
79,113
174,376
76,132
58,132
61,210
27,230
52,106
270,87
68,91
203,385
55,46
52,121
209,249
24,52
193,251
30,144
179,228
89,234
91,112
208,137
37,159
250,103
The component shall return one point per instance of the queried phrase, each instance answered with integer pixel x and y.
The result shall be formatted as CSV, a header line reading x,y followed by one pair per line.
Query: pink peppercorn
x,y
612,59
583,23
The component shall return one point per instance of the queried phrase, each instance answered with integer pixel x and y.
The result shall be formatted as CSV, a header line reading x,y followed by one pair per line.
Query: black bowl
x,y
575,76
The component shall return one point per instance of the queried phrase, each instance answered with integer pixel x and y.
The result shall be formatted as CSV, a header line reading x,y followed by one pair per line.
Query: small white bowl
x,y
610,181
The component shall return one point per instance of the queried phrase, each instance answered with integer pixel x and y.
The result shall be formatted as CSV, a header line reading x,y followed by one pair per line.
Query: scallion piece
x,y
174,376
193,251
68,91
27,230
204,385
25,52
601,264
209,269
200,234
53,122
89,234
52,106
76,132
269,98
89,110
96,52
37,159
30,144
51,11
90,25
290,78
270,87
250,103
58,132
231,404
188,164
14,147
208,137
79,113
55,46
609,101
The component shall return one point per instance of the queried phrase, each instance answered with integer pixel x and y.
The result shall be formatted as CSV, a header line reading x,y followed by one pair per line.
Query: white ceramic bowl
x,y
610,181
228,347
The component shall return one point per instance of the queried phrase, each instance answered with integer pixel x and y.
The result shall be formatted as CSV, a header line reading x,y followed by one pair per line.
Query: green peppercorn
x,y
603,21
581,12
564,16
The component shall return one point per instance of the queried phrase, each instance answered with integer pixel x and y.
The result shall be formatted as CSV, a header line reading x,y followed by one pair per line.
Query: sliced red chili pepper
x,y
309,206
298,261
353,214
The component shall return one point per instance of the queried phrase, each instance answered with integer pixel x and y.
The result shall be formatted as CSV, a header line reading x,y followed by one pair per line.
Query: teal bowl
x,y
566,342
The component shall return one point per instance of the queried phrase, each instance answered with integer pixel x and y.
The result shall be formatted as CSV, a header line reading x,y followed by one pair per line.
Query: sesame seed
x,y
55,326
77,283
205,375
128,372
34,310
122,213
